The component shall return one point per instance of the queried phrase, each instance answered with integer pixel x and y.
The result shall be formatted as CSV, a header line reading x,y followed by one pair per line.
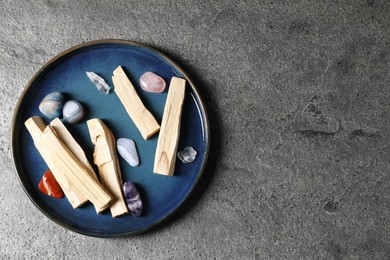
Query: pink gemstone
x,y
151,82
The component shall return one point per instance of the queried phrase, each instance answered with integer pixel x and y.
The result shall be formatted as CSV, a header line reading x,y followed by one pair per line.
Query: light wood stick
x,y
142,118
67,138
165,158
74,170
105,157
36,126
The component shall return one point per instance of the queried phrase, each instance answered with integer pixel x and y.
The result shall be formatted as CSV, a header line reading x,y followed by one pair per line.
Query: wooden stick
x,y
74,170
142,118
105,157
165,158
36,126
67,138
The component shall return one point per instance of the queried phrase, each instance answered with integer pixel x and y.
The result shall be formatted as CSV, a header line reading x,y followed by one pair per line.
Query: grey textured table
x,y
298,97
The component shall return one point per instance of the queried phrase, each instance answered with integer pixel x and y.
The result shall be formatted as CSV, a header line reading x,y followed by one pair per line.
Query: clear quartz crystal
x,y
188,155
99,82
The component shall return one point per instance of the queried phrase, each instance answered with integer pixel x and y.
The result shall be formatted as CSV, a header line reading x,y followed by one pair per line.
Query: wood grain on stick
x,y
106,158
67,138
74,170
74,178
168,139
142,118
36,126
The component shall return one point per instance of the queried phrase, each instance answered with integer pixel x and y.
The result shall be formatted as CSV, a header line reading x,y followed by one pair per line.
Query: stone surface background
x,y
299,101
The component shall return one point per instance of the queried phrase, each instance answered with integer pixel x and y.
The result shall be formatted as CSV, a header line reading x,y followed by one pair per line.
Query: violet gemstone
x,y
152,82
133,199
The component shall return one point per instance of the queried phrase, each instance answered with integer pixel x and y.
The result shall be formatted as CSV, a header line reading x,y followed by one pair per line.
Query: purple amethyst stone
x,y
133,199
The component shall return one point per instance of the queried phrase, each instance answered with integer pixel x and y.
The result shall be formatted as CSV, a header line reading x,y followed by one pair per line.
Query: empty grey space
x,y
298,99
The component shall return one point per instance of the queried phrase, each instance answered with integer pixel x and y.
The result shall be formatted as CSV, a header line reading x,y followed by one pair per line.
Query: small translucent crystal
x,y
188,155
99,82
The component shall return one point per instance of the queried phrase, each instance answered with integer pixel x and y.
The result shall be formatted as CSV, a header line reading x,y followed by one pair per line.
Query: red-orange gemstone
x,y
49,185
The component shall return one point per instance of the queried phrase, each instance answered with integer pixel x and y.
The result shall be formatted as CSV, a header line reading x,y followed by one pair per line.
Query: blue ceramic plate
x,y
161,195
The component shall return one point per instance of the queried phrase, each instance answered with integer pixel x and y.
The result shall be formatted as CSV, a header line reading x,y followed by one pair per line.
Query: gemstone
x,y
51,105
133,199
188,155
152,82
126,148
49,185
73,111
99,82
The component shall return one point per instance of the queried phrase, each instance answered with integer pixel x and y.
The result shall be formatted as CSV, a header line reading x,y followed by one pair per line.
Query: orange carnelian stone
x,y
49,185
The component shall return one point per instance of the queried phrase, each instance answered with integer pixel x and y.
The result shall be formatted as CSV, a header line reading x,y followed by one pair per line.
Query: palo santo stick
x,y
105,157
165,158
142,118
67,138
74,170
36,126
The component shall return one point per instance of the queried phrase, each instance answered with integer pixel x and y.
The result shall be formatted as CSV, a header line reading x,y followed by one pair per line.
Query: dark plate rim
x,y
16,129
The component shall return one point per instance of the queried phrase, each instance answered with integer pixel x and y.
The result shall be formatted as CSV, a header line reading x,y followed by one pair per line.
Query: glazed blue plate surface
x,y
162,195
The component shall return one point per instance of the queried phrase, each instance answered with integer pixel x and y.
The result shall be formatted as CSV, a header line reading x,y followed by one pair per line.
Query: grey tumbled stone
x,y
73,112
